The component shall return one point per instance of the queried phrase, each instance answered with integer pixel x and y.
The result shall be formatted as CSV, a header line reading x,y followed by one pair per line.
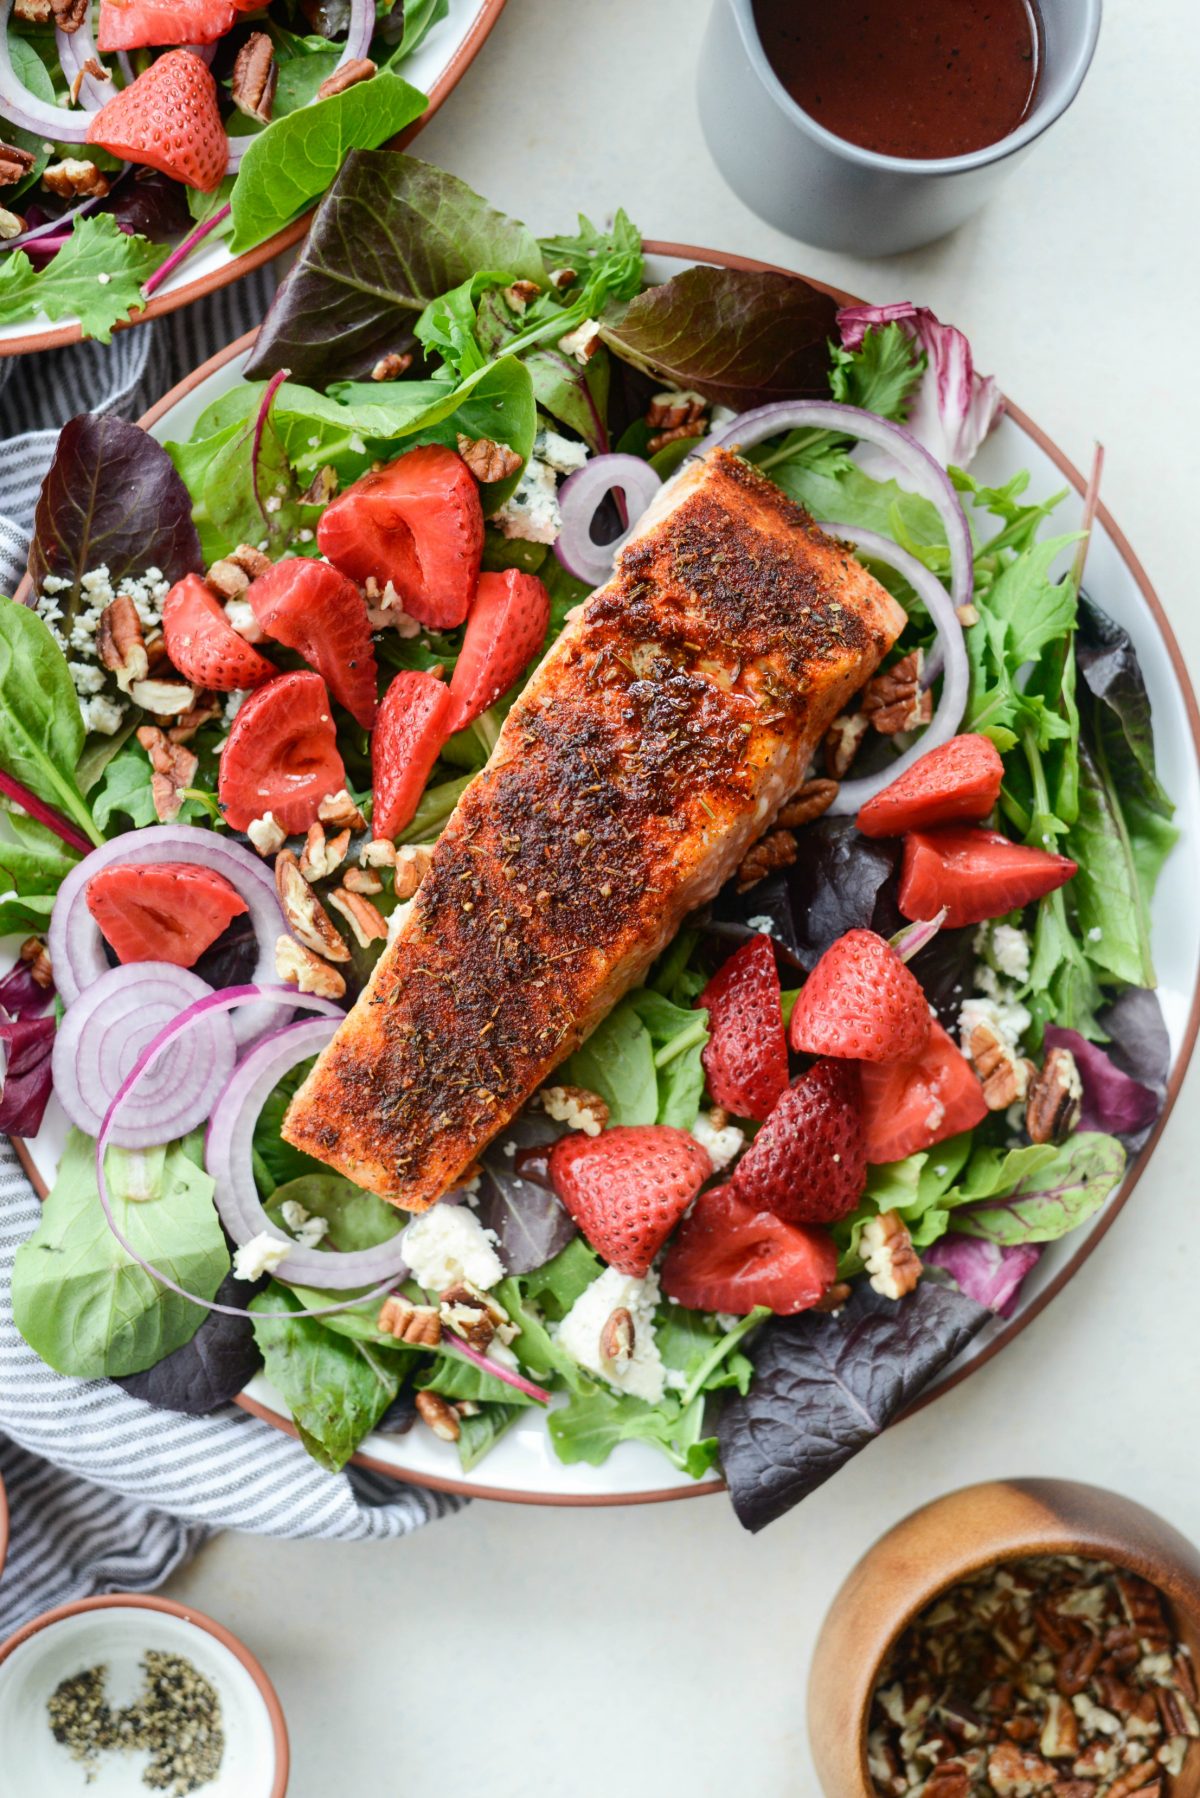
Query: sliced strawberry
x,y
316,610
745,1059
409,733
417,523
860,1001
281,755
728,1256
138,24
807,1164
960,780
507,627
203,645
910,1105
975,874
168,119
628,1188
161,911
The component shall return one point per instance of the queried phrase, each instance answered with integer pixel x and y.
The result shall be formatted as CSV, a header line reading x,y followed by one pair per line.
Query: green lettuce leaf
x,y
1037,1193
336,1389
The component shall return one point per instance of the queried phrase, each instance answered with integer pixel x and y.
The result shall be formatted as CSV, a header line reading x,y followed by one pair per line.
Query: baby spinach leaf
x,y
212,1368
679,1036
556,1286
32,868
81,1302
825,1386
1038,1193
96,277
336,1389
391,235
357,1219
738,337
293,161
479,1433
617,1061
41,731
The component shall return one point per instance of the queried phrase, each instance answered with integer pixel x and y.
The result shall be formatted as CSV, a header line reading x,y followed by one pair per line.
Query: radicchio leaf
x,y
824,1386
212,1368
529,1220
990,1273
20,993
739,337
152,205
25,1076
111,498
952,408
1111,1100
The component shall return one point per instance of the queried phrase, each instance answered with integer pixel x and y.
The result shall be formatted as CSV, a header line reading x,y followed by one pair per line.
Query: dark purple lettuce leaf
x,y
27,1081
212,1368
740,338
20,994
1108,664
152,205
944,968
111,496
1112,1102
728,923
400,1415
836,884
528,1218
1138,1041
825,1386
391,234
990,1273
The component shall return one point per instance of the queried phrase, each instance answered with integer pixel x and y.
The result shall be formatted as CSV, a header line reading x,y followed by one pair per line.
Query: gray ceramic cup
x,y
817,187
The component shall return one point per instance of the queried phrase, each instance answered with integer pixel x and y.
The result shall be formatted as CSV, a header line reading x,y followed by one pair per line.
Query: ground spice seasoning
x,y
176,1718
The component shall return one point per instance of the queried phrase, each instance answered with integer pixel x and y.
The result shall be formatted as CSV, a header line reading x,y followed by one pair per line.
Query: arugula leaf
x,y
336,1389
96,277
592,1424
41,731
296,157
1040,1192
81,1302
603,260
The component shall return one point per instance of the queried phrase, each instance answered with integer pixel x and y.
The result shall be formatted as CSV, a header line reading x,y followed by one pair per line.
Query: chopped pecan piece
x,y
392,366
204,711
360,68
776,850
75,178
1014,1773
266,833
340,810
365,920
576,1106
841,742
1060,1732
1055,1103
441,1418
411,864
812,801
306,916
297,966
467,1312
322,855
173,769
1139,1782
227,578
362,880
254,77
1075,1668
835,1298
165,698
322,487
892,699
1005,1077
671,411
562,278
889,1256
251,560
618,1338
1140,1601
519,295
93,68
69,14
488,461
36,957
582,342
11,224
410,1323
120,643
34,12
15,164
949,1779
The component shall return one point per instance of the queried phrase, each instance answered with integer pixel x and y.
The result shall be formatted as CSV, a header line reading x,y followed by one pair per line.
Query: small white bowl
x,y
115,1631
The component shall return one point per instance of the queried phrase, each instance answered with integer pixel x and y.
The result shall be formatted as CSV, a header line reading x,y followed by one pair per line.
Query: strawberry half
x,y
860,1001
628,1188
417,523
203,645
910,1105
975,874
728,1256
745,1059
316,610
168,119
506,628
958,781
281,755
808,1163
161,911
409,733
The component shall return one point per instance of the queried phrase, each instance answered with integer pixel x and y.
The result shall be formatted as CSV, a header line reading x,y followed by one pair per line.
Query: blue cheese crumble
x,y
101,709
448,1246
582,1330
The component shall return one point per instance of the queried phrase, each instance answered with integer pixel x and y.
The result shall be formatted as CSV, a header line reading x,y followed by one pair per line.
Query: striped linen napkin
x,y
67,1446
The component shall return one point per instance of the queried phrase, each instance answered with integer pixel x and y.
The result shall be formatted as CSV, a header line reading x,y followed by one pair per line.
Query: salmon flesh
x,y
676,713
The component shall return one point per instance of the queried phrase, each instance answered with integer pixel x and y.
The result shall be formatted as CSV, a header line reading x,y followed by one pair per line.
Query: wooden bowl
x,y
947,1541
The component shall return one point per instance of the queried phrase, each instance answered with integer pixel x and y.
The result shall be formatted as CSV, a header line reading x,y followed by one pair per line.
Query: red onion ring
x,y
51,226
498,1371
75,50
77,947
229,1149
20,107
228,1000
579,497
957,677
105,1030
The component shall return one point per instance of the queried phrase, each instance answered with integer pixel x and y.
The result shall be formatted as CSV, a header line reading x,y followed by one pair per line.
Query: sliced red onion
x,y
956,682
52,227
27,110
77,947
579,498
228,1000
915,937
75,50
498,1371
105,1031
229,1157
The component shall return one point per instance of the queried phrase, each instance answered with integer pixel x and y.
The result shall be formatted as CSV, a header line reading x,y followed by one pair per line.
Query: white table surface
x,y
660,1652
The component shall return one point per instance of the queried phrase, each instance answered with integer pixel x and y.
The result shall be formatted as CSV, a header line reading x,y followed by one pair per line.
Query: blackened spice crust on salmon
x,y
657,740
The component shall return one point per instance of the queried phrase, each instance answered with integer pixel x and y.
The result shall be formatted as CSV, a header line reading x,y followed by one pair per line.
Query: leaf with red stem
x,y
45,814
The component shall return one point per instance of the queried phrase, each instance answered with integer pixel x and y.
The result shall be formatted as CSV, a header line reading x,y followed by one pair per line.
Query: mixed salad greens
x,y
206,119
528,360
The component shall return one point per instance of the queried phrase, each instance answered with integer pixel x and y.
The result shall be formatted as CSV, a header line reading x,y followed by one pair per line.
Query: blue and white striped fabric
x,y
67,1446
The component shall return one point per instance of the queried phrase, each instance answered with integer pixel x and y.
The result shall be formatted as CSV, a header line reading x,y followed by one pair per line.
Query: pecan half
x,y
841,742
392,366
888,1255
75,178
340,810
1055,1103
814,798
120,644
618,1337
441,1418
410,1323
15,164
365,920
306,916
36,957
173,768
254,77
322,855
776,850
1004,1074
488,461
892,699
297,966
361,68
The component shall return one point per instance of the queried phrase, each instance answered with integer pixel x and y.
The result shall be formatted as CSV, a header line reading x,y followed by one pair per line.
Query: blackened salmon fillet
x,y
657,740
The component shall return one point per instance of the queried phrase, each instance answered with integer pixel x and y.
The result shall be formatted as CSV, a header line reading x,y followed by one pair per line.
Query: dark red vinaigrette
x,y
913,78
